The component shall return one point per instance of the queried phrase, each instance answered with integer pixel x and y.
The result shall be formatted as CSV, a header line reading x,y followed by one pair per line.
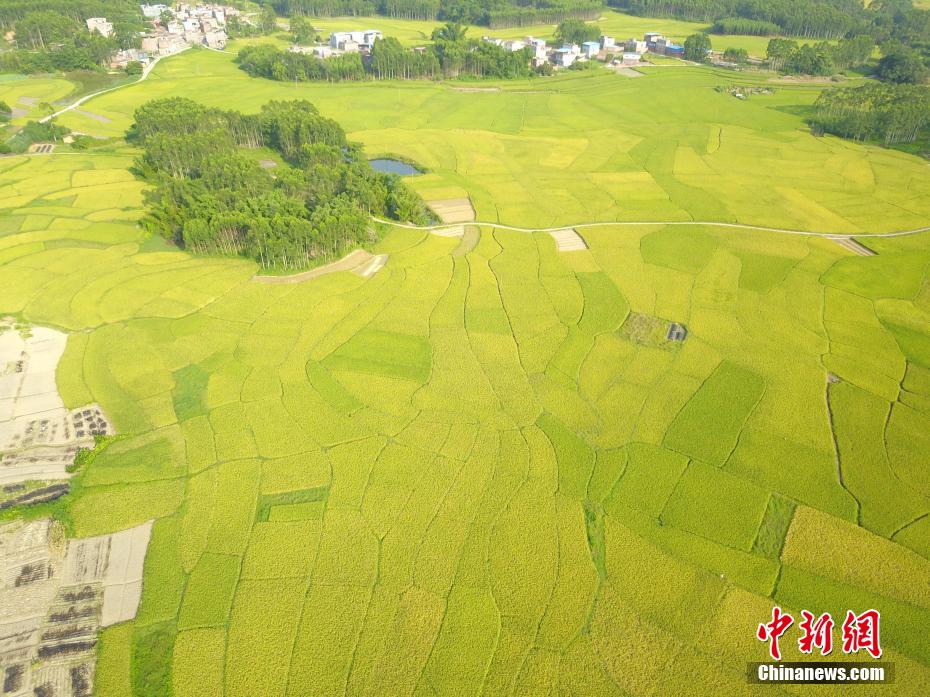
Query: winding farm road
x,y
145,73
739,226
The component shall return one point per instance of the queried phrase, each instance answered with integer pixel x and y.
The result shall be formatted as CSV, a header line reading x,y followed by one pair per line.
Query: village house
x,y
514,45
590,49
352,41
215,39
566,56
100,25
153,11
608,42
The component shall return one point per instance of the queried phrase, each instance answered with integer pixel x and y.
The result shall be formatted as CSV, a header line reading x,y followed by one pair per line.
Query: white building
x,y
353,40
631,57
608,42
564,57
540,50
153,11
590,49
99,25
514,45
215,39
636,46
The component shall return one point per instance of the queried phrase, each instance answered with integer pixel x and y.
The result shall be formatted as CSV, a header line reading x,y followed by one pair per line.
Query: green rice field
x,y
488,470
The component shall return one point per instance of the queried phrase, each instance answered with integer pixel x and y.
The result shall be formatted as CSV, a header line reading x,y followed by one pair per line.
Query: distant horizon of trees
x,y
491,13
211,197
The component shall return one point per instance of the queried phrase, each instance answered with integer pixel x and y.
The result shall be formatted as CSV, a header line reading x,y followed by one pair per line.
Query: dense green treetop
x,y
452,54
884,112
212,197
697,47
576,31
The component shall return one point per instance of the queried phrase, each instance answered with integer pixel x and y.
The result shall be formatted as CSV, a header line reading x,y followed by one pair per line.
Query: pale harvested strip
x,y
853,246
567,240
628,72
39,437
92,115
50,650
469,241
40,467
451,231
453,210
122,584
371,267
350,262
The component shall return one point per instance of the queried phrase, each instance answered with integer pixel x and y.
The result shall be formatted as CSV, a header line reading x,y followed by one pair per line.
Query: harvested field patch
x,y
453,210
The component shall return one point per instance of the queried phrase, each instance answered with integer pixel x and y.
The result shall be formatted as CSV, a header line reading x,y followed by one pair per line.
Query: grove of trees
x,y
697,47
52,35
451,54
887,113
211,196
576,31
822,58
881,20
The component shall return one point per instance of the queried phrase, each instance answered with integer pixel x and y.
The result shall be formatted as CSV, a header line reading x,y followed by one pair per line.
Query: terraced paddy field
x,y
488,468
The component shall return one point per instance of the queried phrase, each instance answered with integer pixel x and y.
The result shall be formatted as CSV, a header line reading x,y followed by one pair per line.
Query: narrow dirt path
x,y
145,73
685,223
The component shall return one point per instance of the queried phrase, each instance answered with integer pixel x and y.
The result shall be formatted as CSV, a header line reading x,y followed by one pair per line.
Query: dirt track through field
x,y
353,261
683,223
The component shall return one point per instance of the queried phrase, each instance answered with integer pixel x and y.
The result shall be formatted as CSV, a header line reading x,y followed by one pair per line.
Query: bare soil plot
x,y
55,596
853,246
39,437
451,231
92,115
353,261
453,210
568,240
476,89
372,266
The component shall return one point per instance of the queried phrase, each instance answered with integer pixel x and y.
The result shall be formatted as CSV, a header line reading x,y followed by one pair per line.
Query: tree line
x,y
822,58
51,35
212,196
806,19
451,54
493,13
891,114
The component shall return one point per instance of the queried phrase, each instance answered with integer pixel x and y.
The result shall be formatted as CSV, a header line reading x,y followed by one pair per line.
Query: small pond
x,y
389,166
